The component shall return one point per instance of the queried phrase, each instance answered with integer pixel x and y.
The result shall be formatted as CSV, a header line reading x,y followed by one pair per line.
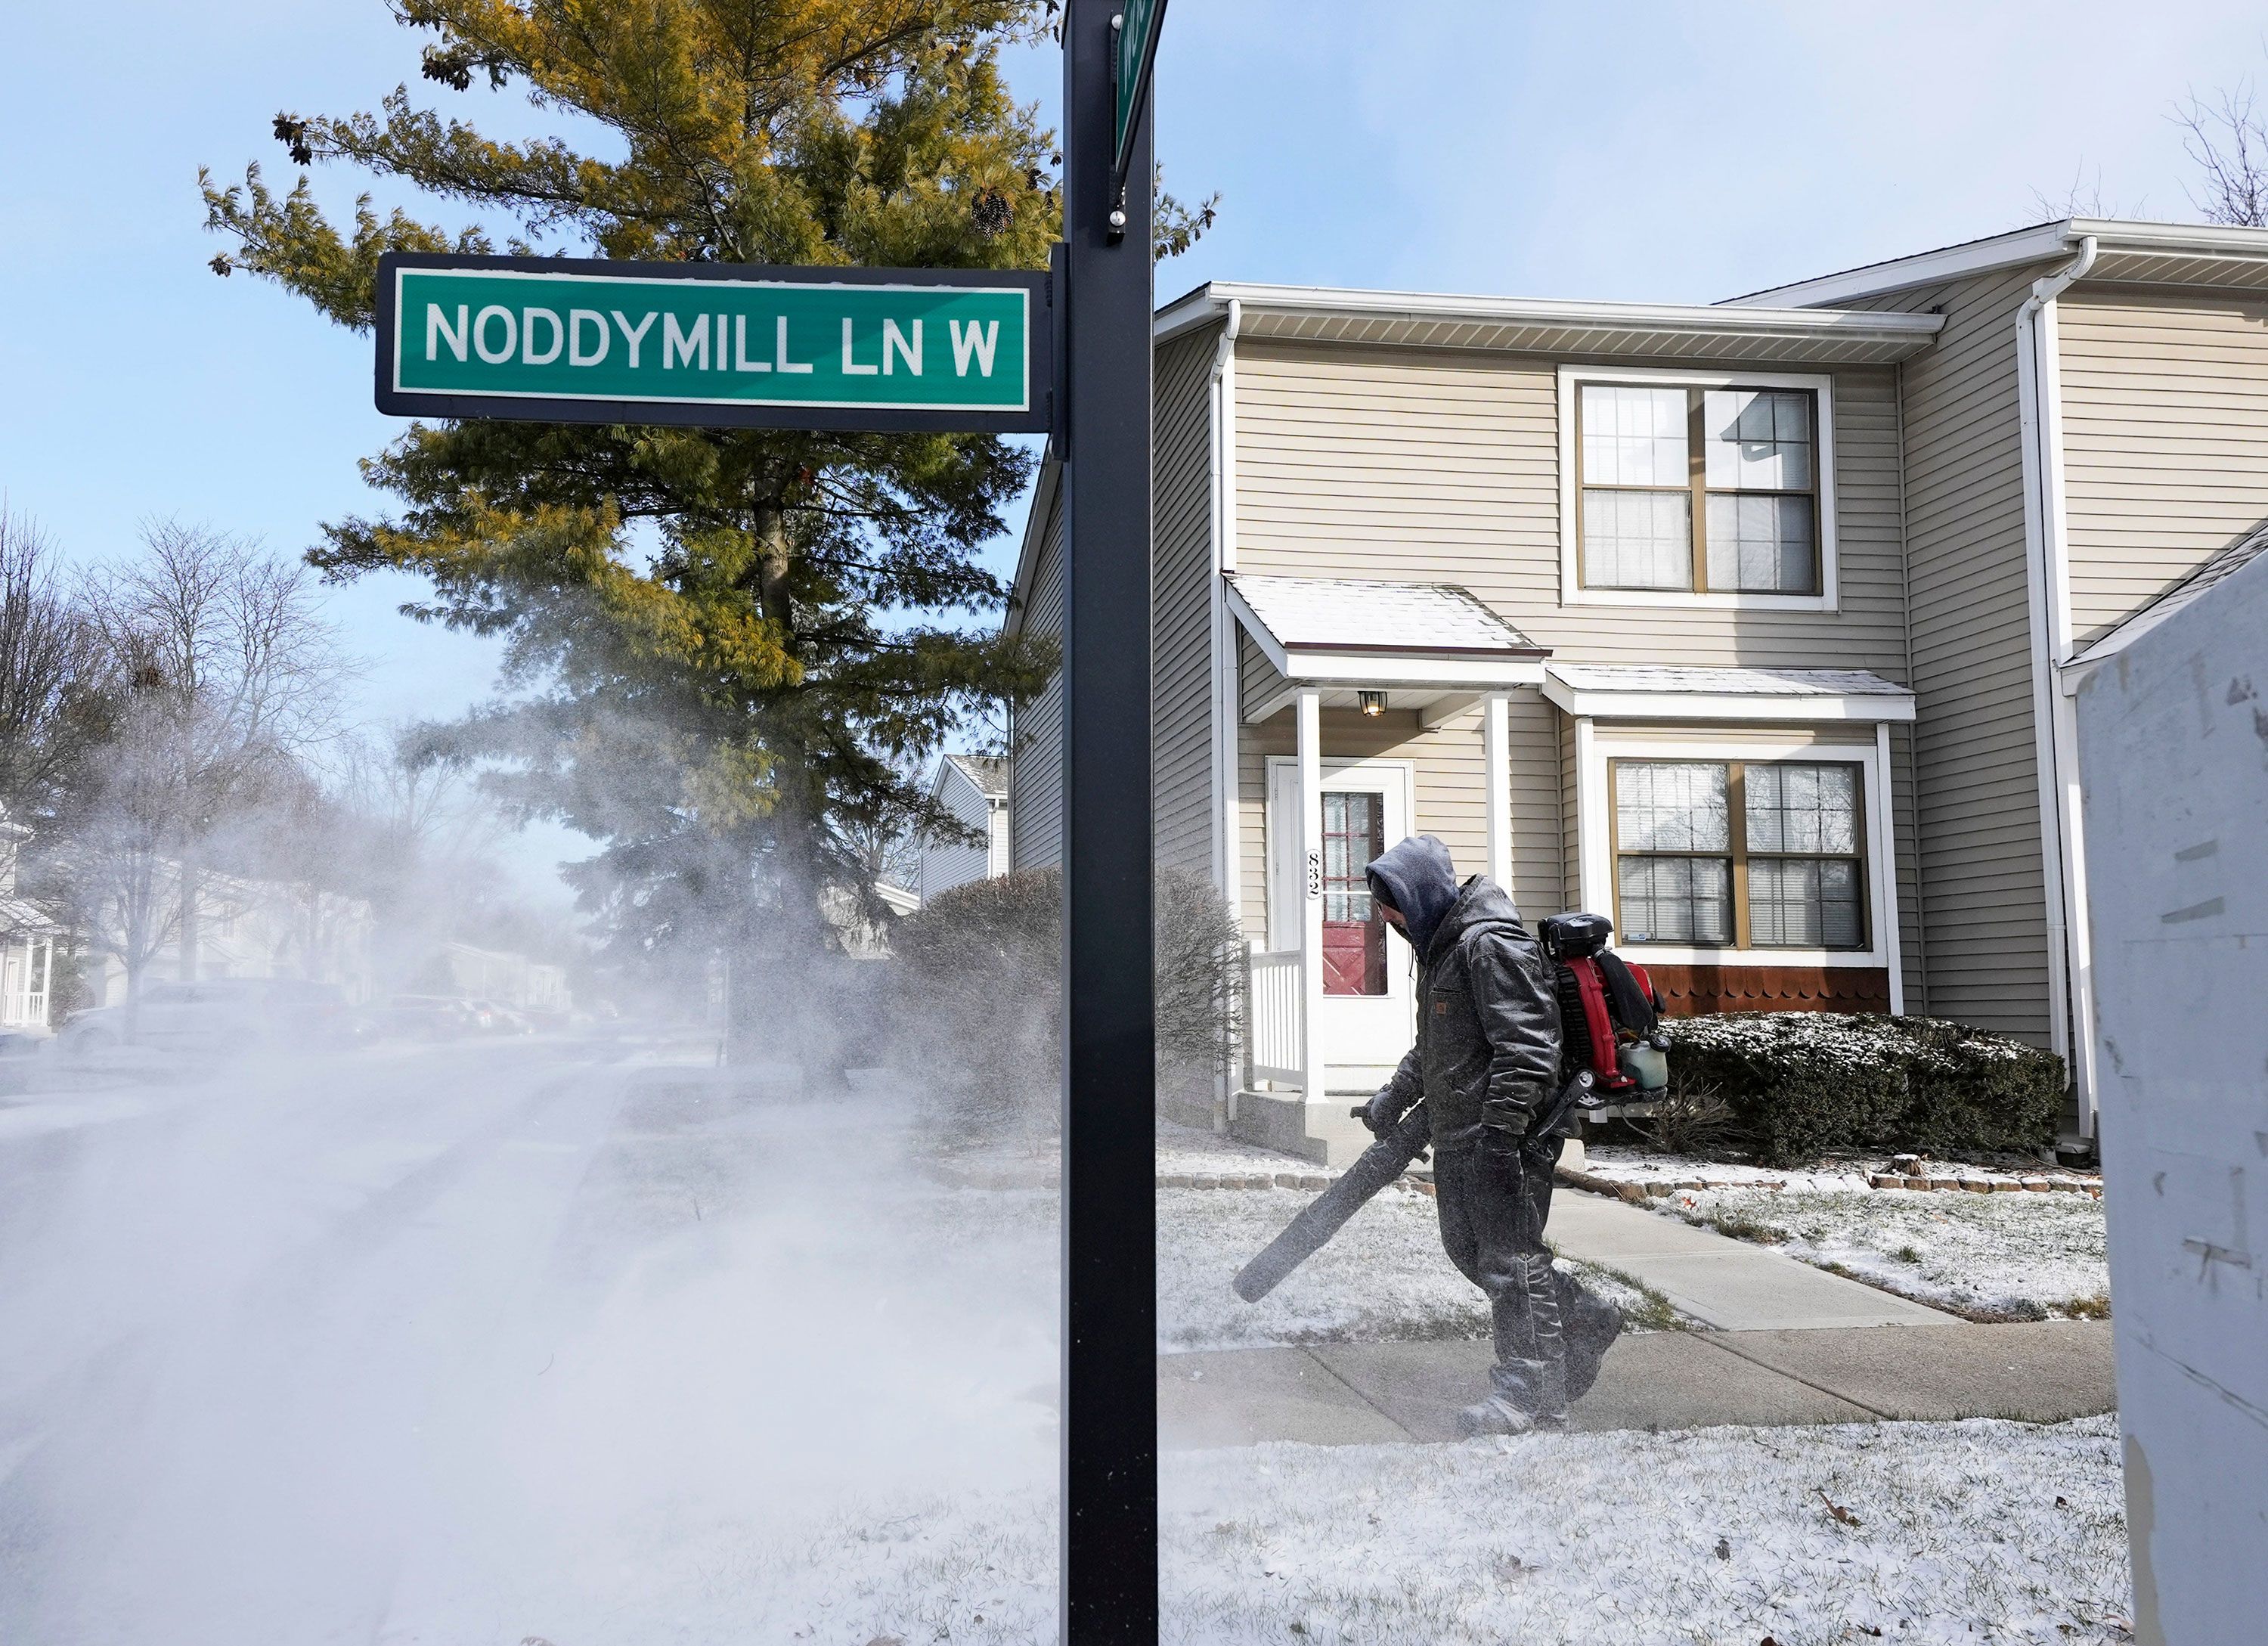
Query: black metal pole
x,y
1109,1210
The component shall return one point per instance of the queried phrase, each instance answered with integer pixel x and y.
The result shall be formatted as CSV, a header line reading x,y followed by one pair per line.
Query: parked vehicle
x,y
427,1016
219,1016
498,1019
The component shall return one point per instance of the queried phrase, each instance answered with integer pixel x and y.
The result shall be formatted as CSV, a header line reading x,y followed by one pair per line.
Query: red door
x,y
1354,936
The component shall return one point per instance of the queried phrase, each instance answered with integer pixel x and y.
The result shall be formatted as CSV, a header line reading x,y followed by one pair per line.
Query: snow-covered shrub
x,y
980,995
1806,1083
1980,1090
1801,1082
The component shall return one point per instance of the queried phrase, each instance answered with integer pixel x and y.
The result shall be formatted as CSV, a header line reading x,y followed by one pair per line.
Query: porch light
x,y
1373,703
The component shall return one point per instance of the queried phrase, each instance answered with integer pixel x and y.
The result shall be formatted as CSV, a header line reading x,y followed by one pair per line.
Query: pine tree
x,y
727,642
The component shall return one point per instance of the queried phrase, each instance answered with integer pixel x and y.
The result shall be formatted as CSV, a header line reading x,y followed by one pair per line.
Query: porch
x,y
1329,1002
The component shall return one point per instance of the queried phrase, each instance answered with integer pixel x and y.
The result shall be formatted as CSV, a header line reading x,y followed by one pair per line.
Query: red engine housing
x,y
1583,993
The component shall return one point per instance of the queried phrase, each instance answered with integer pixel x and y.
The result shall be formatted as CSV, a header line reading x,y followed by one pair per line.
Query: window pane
x,y
1757,440
1351,828
1637,540
1803,808
1762,545
1672,805
1804,902
1633,436
1677,900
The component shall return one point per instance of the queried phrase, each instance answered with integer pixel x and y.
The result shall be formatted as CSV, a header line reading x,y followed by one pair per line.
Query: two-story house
x,y
1752,625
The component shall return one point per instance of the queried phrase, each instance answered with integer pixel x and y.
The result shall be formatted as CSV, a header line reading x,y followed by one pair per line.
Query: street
x,y
489,1340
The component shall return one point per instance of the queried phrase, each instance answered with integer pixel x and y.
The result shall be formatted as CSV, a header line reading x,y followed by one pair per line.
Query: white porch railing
x,y
1272,1026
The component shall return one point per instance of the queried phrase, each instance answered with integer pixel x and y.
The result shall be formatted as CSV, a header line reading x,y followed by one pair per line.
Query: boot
x,y
1496,1415
1589,1324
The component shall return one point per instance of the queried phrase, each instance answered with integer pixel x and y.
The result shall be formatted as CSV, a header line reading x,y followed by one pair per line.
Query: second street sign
x,y
548,339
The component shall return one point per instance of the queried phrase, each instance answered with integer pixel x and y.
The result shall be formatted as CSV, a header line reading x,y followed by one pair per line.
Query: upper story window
x,y
1714,490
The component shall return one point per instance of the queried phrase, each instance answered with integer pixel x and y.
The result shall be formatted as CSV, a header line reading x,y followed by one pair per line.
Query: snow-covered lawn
x,y
1384,1277
1949,1533
2025,1255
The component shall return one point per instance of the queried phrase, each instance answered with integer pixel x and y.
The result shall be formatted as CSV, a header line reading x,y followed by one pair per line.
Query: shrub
x,y
1803,1083
979,994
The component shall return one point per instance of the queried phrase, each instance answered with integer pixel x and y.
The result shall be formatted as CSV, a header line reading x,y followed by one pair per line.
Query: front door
x,y
1366,977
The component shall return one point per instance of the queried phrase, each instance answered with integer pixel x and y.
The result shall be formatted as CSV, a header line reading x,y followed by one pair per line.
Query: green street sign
x,y
715,344
1133,49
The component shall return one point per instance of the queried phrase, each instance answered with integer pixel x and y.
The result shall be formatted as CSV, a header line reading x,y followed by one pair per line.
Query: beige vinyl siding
x,y
1035,778
2165,440
1444,466
1984,928
1448,790
1914,946
1181,606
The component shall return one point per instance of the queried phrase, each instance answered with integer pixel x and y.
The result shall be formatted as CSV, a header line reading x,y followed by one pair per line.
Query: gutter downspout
x,y
1226,849
2048,573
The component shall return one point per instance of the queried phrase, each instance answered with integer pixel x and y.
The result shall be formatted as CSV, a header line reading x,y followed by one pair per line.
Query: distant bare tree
x,y
223,677
2229,144
51,671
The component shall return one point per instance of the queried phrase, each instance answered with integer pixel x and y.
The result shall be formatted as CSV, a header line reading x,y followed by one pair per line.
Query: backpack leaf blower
x,y
1612,1044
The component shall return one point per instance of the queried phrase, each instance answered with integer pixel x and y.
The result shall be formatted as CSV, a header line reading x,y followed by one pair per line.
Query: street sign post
x,y
1109,1207
1133,49
553,340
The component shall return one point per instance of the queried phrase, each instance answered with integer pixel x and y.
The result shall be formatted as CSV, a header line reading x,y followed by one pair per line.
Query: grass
x,y
1644,1308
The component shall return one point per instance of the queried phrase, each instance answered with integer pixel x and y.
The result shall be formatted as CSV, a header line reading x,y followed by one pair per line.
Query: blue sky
x,y
1642,150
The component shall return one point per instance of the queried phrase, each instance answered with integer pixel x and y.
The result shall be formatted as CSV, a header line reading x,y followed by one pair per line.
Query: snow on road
x,y
485,1342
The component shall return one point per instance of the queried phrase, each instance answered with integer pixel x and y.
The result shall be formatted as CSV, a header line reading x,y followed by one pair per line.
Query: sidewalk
x,y
1784,1343
1733,1285
1360,1393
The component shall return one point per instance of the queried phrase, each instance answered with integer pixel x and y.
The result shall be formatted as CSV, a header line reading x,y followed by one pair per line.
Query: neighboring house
x,y
862,937
255,929
504,977
1751,625
27,944
974,789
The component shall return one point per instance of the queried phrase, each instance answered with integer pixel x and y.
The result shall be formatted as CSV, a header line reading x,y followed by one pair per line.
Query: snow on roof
x,y
1356,614
988,772
1778,683
2233,558
21,919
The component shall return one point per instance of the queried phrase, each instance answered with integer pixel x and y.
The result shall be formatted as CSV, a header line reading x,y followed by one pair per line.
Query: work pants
x,y
1494,1193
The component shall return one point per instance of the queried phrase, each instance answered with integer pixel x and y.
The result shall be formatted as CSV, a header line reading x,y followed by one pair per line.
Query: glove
x,y
1506,1117
1380,1114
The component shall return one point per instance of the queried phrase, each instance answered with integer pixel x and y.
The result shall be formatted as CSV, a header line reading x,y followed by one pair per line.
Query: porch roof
x,y
19,919
1363,631
1646,692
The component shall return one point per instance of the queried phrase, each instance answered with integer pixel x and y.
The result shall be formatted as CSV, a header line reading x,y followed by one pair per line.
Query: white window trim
x,y
1571,592
1594,798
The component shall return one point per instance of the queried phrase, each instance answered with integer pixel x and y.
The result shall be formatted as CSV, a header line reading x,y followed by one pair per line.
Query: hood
x,y
1480,902
1419,877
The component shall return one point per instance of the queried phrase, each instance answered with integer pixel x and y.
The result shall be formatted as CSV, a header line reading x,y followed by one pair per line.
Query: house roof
x,y
1551,325
2233,558
1362,614
987,774
1743,694
2128,252
18,919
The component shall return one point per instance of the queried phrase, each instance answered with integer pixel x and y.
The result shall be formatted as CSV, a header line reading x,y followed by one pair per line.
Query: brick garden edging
x,y
1639,1193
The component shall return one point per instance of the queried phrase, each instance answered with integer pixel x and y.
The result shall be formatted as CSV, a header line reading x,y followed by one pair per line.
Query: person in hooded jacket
x,y
1486,1061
